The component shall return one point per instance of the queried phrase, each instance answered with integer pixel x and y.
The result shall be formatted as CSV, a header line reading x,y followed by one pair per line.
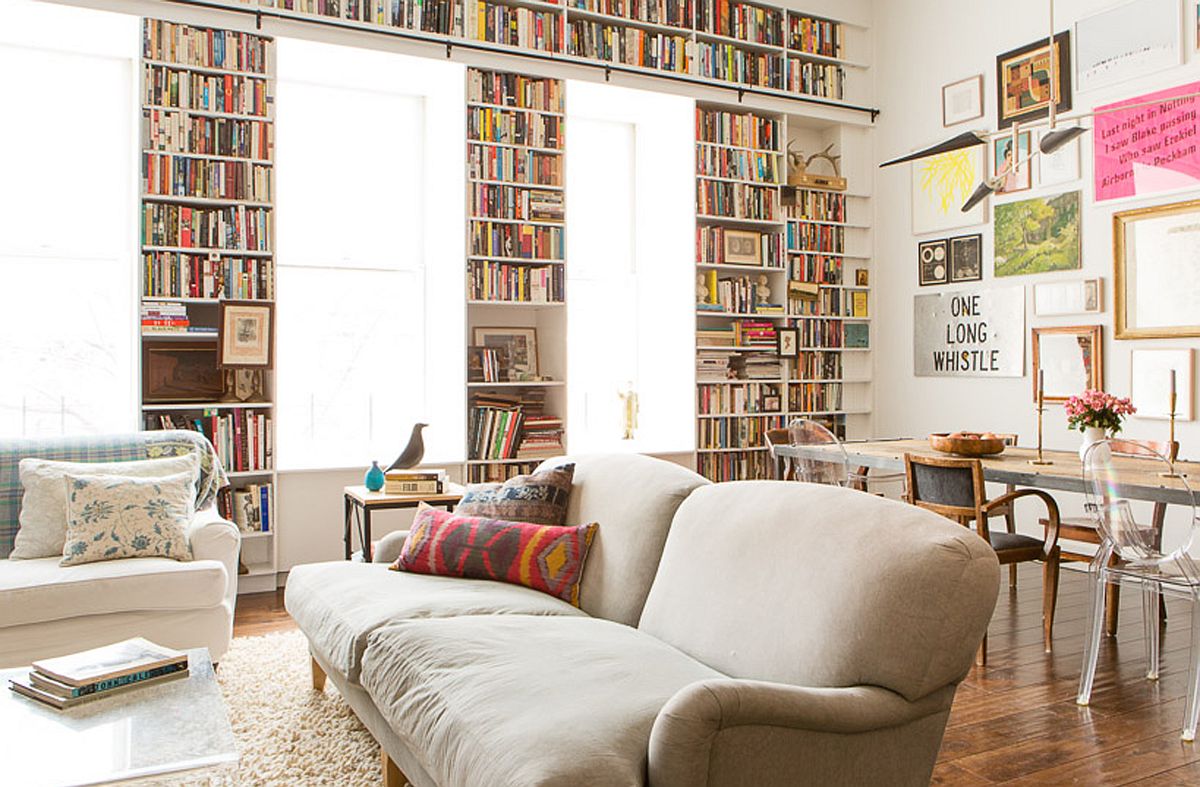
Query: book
x,y
111,661
27,687
48,685
391,487
415,475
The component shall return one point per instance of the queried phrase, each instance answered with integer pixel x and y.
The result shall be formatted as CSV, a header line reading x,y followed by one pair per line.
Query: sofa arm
x,y
215,538
388,548
725,718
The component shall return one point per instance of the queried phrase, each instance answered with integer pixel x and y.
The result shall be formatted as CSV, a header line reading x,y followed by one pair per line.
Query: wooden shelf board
x,y
176,406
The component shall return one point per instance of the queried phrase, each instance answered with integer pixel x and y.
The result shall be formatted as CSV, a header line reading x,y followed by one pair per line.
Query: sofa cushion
x,y
338,604
546,558
38,590
633,498
539,497
115,517
522,701
822,586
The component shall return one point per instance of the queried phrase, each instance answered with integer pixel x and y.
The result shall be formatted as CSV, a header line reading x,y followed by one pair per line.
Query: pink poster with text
x,y
1150,148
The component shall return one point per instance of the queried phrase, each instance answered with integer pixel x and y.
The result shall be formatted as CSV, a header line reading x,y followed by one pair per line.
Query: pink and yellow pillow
x,y
548,558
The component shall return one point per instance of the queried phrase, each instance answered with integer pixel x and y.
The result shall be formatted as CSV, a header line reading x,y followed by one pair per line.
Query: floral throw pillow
x,y
114,517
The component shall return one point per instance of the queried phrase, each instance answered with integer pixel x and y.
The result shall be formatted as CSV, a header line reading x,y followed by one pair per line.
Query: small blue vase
x,y
374,478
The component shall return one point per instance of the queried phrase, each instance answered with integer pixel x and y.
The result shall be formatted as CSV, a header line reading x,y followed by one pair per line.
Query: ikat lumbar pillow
x,y
43,518
114,517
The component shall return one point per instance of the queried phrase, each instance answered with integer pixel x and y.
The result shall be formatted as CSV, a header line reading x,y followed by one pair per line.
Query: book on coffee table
x,y
61,696
111,662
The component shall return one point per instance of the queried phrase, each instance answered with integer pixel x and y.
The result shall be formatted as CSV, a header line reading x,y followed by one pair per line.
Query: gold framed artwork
x,y
1023,86
1072,358
743,247
1155,275
245,335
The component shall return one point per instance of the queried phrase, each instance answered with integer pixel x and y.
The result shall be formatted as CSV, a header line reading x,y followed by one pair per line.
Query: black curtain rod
x,y
451,43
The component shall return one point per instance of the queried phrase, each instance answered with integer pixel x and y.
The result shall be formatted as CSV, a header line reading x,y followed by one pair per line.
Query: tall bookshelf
x,y
725,42
207,236
515,271
769,256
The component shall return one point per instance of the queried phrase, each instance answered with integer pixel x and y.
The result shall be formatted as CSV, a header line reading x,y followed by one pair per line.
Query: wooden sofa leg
x,y
392,776
318,676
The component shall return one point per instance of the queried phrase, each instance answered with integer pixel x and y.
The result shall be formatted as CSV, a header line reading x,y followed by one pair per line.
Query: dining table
x,y
1137,478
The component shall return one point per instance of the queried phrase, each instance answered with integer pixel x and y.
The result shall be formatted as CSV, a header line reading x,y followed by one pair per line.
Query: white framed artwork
x,y
941,184
1126,42
962,101
1150,383
1076,296
1061,166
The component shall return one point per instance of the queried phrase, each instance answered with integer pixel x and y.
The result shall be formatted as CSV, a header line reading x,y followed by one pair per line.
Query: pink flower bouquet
x,y
1097,409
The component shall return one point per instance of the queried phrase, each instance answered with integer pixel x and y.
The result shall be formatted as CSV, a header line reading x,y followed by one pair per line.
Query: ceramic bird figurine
x,y
413,453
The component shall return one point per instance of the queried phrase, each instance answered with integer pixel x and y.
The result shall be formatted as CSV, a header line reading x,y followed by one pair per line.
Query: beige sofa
x,y
751,633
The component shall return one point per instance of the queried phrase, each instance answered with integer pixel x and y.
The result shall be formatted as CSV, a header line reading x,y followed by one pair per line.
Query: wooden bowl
x,y
966,446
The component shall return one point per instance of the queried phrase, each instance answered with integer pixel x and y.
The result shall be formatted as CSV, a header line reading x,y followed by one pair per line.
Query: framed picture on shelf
x,y
932,262
788,342
1154,271
962,100
244,335
1013,167
1023,81
743,247
1150,383
966,258
1072,357
174,372
516,349
862,278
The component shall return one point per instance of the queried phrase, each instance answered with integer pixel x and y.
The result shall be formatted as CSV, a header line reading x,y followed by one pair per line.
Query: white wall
x,y
920,46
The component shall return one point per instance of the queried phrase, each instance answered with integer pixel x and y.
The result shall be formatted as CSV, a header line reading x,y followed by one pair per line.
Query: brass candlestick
x,y
1041,408
1171,441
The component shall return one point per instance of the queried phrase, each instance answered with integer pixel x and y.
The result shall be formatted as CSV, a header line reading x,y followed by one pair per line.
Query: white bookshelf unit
x,y
515,270
207,237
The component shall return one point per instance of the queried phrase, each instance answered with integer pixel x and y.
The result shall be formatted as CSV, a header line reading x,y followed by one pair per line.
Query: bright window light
x,y
630,255
67,227
370,254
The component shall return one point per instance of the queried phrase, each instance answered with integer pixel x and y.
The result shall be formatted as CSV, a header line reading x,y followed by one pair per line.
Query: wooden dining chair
x,y
785,469
954,488
1083,529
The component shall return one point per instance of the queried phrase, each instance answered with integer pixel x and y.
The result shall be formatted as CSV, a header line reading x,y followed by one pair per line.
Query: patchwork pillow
x,y
43,518
543,557
113,517
540,498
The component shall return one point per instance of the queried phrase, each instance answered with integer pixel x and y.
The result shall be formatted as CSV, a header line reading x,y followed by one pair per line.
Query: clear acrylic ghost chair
x,y
1148,554
832,470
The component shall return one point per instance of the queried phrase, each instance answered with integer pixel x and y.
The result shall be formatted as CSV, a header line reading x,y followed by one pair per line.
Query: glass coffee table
x,y
177,730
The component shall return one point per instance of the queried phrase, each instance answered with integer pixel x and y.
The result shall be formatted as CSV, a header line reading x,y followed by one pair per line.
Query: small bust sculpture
x,y
761,290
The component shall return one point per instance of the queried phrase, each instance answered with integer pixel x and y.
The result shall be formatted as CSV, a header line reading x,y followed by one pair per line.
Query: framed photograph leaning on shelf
x,y
516,348
788,342
743,247
244,338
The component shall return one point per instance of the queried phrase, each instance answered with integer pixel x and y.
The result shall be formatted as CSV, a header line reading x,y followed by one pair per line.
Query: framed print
x,y
941,184
1023,86
933,264
966,258
181,372
962,100
788,342
1076,296
1037,235
862,278
1061,166
1155,274
1150,383
743,247
516,350
244,334
1073,359
1013,167
1126,42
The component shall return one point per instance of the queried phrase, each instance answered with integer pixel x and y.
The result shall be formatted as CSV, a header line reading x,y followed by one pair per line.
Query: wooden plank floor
x,y
1015,721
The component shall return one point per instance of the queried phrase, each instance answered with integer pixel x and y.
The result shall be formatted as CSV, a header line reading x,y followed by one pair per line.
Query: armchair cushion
x,y
1001,541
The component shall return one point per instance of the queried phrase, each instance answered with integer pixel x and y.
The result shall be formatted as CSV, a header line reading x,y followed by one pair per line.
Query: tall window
x,y
630,243
67,225
370,243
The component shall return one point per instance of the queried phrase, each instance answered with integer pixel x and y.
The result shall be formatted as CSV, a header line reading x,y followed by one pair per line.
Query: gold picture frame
x,y
743,247
1170,234
1056,349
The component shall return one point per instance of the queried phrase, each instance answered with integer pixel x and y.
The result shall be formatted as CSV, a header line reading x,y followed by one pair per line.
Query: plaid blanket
x,y
107,448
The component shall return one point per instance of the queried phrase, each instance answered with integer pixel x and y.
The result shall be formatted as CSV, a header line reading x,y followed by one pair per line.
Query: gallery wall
x,y
922,45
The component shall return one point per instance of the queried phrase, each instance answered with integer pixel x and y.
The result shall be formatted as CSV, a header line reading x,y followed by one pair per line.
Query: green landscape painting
x,y
1037,235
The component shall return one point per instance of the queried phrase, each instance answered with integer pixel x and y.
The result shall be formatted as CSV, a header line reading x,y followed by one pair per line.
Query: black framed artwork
x,y
966,258
1023,80
933,263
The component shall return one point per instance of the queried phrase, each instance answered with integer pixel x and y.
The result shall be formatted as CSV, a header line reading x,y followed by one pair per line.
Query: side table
x,y
360,503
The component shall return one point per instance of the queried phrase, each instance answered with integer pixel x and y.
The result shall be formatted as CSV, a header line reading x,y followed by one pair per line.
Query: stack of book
x,y
67,681
165,317
712,366
725,336
414,482
541,437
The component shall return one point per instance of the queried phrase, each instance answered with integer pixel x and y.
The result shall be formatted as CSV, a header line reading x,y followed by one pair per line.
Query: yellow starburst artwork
x,y
941,184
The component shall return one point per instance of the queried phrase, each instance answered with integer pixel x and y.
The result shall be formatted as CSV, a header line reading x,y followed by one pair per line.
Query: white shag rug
x,y
288,733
